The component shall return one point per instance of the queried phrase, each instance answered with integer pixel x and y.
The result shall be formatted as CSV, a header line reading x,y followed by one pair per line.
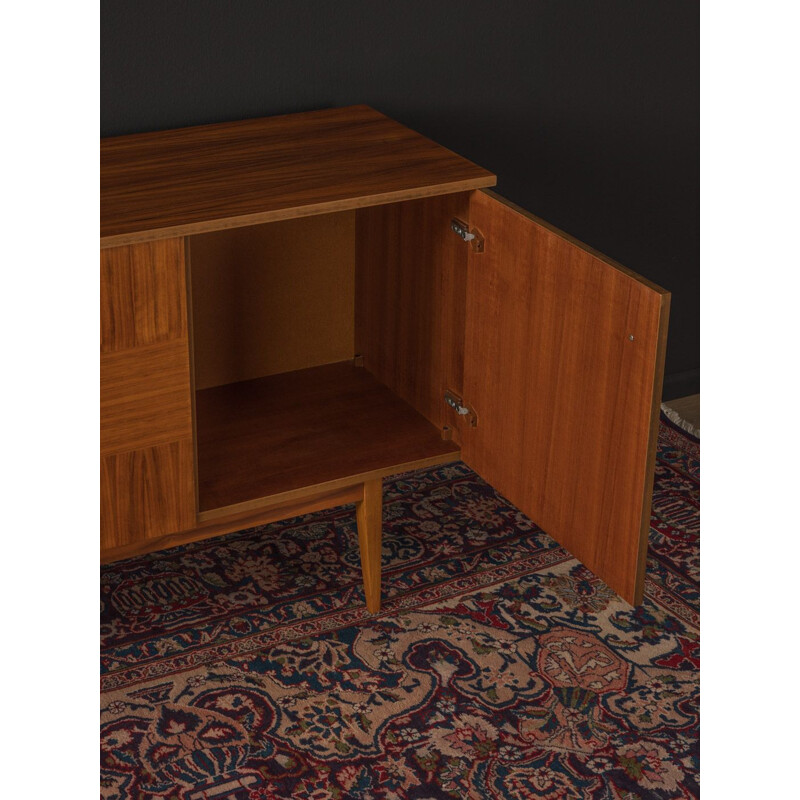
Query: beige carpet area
x,y
685,412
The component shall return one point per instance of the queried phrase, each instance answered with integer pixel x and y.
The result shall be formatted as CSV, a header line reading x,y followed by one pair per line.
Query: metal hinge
x,y
471,235
455,402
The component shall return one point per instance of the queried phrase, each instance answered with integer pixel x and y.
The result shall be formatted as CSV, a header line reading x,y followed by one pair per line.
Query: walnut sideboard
x,y
295,307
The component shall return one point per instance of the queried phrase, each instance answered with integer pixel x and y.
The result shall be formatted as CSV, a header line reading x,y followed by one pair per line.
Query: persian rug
x,y
247,667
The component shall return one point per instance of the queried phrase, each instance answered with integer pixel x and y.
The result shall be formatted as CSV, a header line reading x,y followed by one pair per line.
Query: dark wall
x,y
587,110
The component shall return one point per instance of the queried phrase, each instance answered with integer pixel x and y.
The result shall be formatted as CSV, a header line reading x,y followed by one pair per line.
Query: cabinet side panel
x,y
146,493
410,299
142,295
564,359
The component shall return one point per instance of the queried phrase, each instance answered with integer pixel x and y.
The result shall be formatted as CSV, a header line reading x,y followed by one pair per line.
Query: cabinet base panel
x,y
281,433
273,512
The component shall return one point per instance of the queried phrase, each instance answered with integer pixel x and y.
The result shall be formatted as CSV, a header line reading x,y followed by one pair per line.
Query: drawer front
x,y
145,397
142,295
147,469
146,493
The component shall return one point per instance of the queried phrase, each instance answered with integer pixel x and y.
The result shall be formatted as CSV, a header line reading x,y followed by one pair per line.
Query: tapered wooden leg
x,y
368,517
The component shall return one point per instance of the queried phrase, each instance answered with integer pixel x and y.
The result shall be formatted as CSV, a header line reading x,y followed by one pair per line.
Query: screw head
x,y
631,337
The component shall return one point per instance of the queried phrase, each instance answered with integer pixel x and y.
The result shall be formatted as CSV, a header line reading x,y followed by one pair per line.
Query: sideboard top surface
x,y
225,175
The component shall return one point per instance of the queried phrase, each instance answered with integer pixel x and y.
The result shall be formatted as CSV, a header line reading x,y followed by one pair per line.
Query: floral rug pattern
x,y
247,667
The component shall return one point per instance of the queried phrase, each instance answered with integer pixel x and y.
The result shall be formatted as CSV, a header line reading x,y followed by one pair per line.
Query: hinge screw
x,y
474,237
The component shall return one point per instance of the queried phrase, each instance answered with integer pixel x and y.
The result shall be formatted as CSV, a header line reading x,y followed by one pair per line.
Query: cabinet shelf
x,y
273,435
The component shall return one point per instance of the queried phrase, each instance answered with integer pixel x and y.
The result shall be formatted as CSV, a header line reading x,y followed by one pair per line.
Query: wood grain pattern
x,y
272,298
369,511
145,396
285,432
210,177
410,299
564,361
142,295
236,522
146,493
302,493
192,380
147,464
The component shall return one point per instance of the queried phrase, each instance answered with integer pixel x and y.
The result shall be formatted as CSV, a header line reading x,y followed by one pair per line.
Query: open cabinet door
x,y
564,361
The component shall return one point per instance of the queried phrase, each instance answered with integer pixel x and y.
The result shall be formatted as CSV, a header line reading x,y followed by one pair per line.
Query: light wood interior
x,y
279,404
272,298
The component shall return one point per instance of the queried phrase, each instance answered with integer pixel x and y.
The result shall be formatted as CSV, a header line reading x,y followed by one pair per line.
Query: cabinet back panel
x,y
272,298
410,299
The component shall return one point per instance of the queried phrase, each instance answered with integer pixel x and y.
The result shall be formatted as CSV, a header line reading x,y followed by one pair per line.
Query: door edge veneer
x,y
652,444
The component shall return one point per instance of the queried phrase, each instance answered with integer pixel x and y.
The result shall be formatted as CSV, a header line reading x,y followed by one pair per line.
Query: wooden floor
x,y
276,434
688,408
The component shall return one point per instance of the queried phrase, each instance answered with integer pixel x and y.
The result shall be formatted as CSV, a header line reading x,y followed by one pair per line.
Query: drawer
x,y
145,397
146,493
142,295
